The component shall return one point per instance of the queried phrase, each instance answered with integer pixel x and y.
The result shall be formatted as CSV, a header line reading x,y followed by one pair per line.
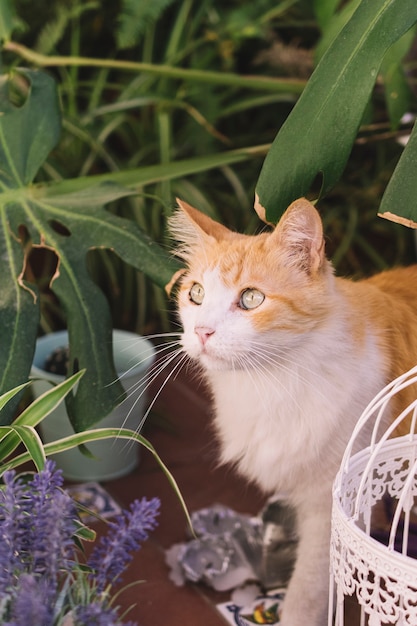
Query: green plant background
x,y
138,103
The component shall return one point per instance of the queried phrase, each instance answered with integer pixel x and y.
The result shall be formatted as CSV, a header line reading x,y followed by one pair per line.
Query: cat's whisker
x,y
148,380
269,376
155,369
154,351
174,372
274,358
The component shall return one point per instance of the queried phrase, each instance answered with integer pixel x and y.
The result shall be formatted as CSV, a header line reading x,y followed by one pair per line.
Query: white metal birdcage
x,y
381,574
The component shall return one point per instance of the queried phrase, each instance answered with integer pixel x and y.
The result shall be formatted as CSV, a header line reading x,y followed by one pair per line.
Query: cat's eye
x,y
197,293
251,299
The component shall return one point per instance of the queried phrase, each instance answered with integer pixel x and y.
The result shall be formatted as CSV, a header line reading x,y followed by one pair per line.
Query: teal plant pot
x,y
113,458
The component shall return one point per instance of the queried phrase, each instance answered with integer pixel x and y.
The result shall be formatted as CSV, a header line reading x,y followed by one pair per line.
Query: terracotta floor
x,y
188,449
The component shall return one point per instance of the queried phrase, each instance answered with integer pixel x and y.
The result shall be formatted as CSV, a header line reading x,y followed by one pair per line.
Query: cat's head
x,y
243,298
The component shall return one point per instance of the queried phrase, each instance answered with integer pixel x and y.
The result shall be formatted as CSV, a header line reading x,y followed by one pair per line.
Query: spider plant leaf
x,y
8,395
47,402
399,200
37,411
318,135
98,434
32,442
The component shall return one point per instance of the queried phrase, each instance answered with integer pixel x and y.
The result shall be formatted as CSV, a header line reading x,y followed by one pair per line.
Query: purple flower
x,y
13,531
95,615
41,579
113,552
52,523
32,603
37,522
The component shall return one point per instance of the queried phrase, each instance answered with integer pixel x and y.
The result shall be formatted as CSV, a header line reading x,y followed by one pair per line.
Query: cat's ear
x,y
300,234
193,228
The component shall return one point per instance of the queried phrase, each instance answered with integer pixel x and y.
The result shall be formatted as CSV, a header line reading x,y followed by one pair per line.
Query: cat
x,y
292,355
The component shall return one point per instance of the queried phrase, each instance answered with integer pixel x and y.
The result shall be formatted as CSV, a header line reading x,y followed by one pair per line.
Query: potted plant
x,y
46,578
106,459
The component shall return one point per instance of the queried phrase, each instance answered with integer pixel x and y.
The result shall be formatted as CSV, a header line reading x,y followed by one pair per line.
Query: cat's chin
x,y
217,364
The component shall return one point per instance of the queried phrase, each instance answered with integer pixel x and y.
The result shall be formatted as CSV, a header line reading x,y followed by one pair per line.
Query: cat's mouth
x,y
212,360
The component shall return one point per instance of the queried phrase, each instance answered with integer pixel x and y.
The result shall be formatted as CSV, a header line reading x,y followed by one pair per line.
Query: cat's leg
x,y
306,600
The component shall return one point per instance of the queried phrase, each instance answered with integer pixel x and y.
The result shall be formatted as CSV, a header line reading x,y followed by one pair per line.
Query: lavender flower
x,y
13,527
31,603
53,514
37,522
41,580
95,615
126,533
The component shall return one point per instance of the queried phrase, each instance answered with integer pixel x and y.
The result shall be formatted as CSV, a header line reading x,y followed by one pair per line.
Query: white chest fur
x,y
286,426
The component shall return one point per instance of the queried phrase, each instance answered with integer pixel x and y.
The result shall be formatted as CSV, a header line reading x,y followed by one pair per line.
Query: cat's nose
x,y
203,333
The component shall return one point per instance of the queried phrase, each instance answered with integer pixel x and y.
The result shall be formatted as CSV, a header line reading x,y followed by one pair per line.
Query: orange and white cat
x,y
292,355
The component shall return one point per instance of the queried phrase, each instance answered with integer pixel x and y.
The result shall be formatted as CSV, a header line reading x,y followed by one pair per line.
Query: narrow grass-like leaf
x,y
397,91
98,434
37,411
47,402
139,177
134,18
32,442
7,19
8,395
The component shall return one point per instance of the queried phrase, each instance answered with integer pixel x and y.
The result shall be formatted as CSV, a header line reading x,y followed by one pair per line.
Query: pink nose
x,y
203,333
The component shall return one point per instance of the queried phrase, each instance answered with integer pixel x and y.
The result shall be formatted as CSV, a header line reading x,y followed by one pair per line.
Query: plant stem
x,y
204,76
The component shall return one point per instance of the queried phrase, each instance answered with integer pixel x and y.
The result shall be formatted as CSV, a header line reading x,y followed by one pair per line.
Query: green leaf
x,y
324,11
27,134
5,397
139,177
7,19
98,434
37,411
397,91
32,442
333,25
318,134
135,17
399,200
47,402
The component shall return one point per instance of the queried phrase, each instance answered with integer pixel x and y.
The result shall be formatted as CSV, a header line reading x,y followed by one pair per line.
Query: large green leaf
x,y
318,135
399,200
25,132
71,228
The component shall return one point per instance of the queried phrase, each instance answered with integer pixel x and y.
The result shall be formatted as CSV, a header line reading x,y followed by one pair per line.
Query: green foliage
x,y
135,18
23,431
399,200
64,214
318,136
70,225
